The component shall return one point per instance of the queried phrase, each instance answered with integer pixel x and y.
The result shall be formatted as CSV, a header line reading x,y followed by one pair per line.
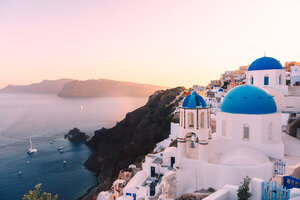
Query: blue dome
x,y
248,99
194,101
220,90
216,86
265,63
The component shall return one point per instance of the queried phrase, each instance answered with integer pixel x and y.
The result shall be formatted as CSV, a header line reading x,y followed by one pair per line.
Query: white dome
x,y
243,156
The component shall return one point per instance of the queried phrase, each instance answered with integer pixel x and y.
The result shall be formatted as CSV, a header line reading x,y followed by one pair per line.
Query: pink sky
x,y
162,42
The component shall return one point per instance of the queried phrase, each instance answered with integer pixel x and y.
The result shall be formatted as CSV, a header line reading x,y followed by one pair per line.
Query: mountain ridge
x,y
71,88
106,87
43,87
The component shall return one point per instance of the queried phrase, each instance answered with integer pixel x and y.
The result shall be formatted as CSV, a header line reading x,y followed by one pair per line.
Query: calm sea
x,y
46,118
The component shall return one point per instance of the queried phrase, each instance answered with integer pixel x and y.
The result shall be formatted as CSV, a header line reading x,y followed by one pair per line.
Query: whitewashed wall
x,y
194,175
259,125
273,79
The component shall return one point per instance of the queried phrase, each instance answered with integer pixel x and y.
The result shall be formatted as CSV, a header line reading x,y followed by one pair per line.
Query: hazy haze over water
x,y
24,115
46,118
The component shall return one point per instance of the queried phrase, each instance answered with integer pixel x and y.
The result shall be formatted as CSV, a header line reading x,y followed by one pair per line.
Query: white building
x,y
148,182
194,128
249,117
295,76
197,88
213,103
267,72
248,136
215,88
219,93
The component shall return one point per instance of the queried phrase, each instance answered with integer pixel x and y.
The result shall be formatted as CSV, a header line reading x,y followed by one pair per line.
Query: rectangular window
x,y
252,80
280,80
266,80
246,133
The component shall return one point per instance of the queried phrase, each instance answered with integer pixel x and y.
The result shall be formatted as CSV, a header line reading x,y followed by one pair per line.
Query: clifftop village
x,y
247,124
231,79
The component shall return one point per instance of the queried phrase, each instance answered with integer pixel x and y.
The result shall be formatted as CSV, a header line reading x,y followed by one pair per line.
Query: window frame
x,y
266,80
246,127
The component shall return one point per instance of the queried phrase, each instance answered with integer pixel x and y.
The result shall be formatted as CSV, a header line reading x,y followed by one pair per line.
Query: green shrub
x,y
244,189
36,194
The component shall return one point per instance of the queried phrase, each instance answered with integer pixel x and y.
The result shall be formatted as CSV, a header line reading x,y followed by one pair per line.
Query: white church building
x,y
267,72
248,138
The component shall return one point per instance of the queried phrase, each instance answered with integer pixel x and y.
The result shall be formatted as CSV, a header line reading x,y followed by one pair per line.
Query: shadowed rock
x,y
132,138
75,135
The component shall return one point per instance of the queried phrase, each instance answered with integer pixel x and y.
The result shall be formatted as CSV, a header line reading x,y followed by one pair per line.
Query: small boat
x,y
61,151
64,162
60,148
20,173
31,149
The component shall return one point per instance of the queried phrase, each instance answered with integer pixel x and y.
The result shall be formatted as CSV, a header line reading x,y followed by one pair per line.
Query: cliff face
x,y
132,138
44,87
103,87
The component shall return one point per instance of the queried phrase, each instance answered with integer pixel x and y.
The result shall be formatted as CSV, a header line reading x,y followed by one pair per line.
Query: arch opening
x,y
191,120
191,146
202,119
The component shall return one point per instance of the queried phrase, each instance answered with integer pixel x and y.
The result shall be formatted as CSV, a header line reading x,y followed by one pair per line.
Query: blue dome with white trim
x,y
194,101
248,99
221,90
265,63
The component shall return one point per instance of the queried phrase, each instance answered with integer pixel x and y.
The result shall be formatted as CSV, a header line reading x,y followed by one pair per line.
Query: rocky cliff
x,y
104,88
132,138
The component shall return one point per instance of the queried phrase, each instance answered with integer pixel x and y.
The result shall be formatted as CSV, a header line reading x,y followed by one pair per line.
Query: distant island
x,y
87,88
44,87
104,87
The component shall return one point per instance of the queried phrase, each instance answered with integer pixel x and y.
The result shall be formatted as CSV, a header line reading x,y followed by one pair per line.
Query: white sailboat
x,y
31,149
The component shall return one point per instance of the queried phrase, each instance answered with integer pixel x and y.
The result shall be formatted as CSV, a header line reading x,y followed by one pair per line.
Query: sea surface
x,y
46,118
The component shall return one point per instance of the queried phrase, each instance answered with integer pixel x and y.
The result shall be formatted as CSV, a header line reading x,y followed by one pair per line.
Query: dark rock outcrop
x,y
132,138
104,88
75,135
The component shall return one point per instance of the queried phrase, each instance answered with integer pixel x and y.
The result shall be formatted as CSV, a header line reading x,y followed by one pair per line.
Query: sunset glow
x,y
168,42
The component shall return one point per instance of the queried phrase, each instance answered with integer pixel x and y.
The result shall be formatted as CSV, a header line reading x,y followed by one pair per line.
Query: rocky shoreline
x,y
131,139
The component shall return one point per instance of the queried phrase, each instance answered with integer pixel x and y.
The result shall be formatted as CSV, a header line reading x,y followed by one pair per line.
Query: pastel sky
x,y
162,42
